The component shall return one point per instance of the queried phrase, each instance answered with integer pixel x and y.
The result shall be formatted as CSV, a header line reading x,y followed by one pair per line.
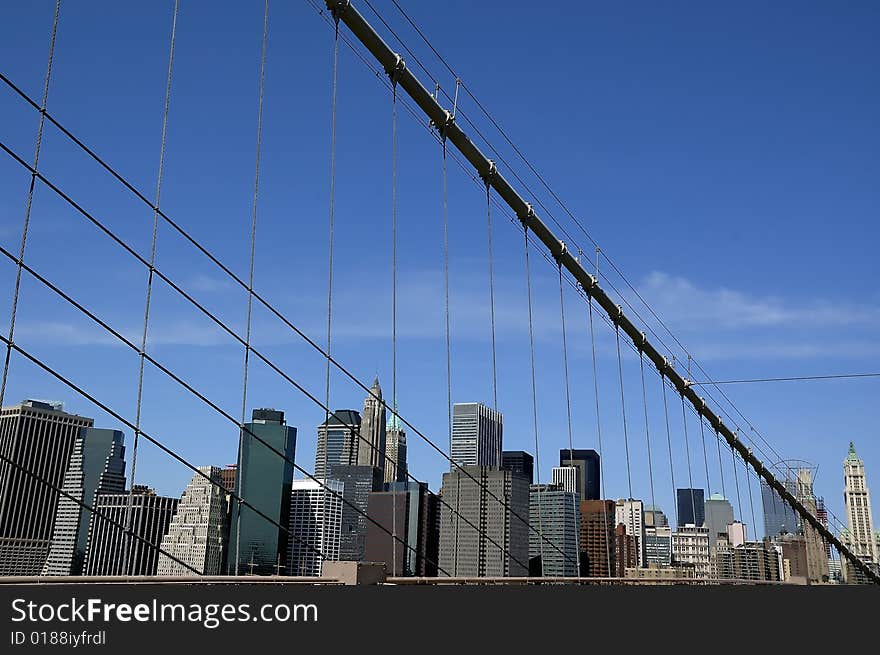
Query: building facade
x,y
476,435
719,514
256,544
586,461
859,518
779,516
408,511
198,534
754,561
97,466
338,439
357,484
658,546
596,541
690,545
111,551
520,462
631,514
554,517
315,525
691,507
39,437
499,544
565,477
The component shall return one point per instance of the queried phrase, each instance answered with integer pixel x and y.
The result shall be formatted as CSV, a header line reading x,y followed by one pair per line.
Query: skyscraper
x,y
719,514
589,470
257,545
476,435
860,537
554,515
655,517
395,453
658,545
408,510
817,555
111,551
691,508
357,483
97,466
338,439
630,513
520,462
199,530
499,545
315,525
371,445
38,437
597,538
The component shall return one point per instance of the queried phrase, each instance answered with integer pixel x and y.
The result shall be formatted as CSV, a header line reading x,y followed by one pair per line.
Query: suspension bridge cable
x,y
394,303
669,447
101,515
705,456
82,392
330,222
751,503
534,390
606,536
491,295
30,196
720,467
235,336
647,434
252,253
687,448
796,378
140,383
446,293
628,509
568,405
736,480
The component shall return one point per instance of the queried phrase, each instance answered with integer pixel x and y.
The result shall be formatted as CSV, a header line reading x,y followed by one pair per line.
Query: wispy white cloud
x,y
202,283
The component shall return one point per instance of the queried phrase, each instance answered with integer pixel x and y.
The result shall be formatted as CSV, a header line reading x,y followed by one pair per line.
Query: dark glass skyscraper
x,y
263,480
691,507
589,470
520,462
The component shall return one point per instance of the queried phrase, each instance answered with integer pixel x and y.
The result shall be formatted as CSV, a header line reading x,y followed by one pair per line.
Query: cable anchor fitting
x,y
397,69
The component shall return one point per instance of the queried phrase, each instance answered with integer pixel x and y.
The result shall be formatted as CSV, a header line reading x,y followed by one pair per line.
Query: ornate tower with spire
x,y
371,446
860,535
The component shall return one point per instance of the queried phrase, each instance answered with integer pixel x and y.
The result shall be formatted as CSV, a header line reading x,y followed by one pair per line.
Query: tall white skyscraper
x,y
565,477
631,513
554,517
860,537
97,466
476,435
315,525
199,529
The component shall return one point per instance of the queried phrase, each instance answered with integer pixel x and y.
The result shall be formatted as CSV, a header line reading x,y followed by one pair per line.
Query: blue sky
x,y
725,158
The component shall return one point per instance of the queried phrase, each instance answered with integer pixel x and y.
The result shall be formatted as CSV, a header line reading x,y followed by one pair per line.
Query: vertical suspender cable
x,y
568,411
631,518
247,340
394,312
491,293
687,448
751,502
606,536
127,559
736,480
446,293
669,448
720,465
647,433
534,392
705,455
30,199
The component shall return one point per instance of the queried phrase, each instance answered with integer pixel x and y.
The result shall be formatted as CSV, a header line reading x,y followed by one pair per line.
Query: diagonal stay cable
x,y
72,385
270,307
30,195
127,342
226,270
90,508
140,379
